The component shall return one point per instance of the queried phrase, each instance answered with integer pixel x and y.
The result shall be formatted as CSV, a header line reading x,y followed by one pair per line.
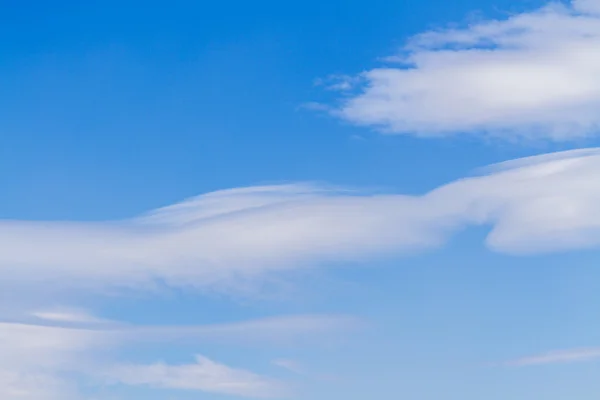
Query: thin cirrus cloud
x,y
203,375
558,357
42,362
68,315
535,75
534,205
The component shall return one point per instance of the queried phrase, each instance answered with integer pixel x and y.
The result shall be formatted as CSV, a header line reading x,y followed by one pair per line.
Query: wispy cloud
x,y
205,375
534,75
540,204
33,359
34,386
558,357
41,362
69,315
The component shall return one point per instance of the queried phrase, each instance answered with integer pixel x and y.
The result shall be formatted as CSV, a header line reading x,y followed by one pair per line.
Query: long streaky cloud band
x,y
558,357
535,205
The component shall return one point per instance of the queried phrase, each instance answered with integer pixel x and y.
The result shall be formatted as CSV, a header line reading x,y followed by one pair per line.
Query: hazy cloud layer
x,y
203,375
41,362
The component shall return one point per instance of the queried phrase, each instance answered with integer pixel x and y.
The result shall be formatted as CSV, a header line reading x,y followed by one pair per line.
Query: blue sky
x,y
277,200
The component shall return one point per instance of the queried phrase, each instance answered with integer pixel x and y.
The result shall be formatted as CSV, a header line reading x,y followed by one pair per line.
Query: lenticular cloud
x,y
534,205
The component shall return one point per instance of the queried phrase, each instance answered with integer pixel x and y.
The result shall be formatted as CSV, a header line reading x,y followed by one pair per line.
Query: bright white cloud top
x,y
539,204
532,76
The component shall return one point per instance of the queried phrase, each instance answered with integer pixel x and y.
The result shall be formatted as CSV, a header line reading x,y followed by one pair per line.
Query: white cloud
x,y
540,204
39,362
33,359
213,239
20,386
24,344
558,357
204,375
535,75
68,315
589,6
